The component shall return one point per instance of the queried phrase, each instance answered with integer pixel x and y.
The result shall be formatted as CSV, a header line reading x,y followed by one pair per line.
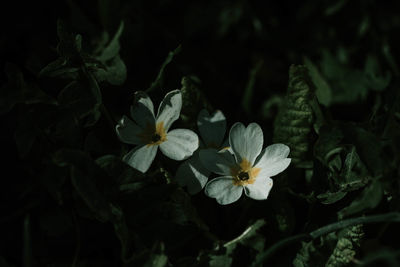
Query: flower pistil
x,y
244,173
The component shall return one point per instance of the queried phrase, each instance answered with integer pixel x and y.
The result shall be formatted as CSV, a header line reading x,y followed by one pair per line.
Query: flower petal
x,y
275,151
192,174
223,190
141,157
170,108
212,127
128,131
142,110
180,144
246,143
273,160
217,162
259,189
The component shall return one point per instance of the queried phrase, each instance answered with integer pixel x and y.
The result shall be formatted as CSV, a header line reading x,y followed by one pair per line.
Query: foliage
x,y
321,77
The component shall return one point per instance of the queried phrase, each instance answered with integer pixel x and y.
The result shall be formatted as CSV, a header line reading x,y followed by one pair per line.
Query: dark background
x,y
221,42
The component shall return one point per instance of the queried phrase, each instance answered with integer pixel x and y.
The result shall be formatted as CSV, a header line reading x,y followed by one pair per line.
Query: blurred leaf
x,y
112,49
16,90
85,174
122,173
60,68
388,256
52,179
220,260
155,257
349,84
248,91
368,147
249,237
331,197
373,78
70,45
323,90
113,69
335,7
193,100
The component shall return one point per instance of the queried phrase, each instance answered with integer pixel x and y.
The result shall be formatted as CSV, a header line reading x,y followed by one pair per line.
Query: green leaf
x,y
369,199
60,68
114,71
348,84
331,197
368,146
293,125
111,68
122,173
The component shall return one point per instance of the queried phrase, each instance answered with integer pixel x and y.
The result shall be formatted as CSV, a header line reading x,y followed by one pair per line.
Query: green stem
x,y
333,227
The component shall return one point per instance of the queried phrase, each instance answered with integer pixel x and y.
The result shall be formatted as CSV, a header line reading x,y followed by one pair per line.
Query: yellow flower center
x,y
153,135
244,173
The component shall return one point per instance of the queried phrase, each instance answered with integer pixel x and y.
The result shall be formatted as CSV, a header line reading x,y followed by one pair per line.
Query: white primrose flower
x,y
192,173
248,169
150,132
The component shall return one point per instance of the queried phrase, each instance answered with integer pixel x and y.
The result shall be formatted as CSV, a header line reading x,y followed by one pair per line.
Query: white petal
x,y
275,152
274,168
273,160
142,110
217,162
223,190
259,189
212,127
180,144
141,157
170,108
128,131
192,174
246,143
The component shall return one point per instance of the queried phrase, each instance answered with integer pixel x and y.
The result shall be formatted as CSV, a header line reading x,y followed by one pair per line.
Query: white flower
x,y
192,173
150,132
248,168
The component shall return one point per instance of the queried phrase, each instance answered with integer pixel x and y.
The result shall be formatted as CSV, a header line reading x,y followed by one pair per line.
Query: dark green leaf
x,y
369,199
85,177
